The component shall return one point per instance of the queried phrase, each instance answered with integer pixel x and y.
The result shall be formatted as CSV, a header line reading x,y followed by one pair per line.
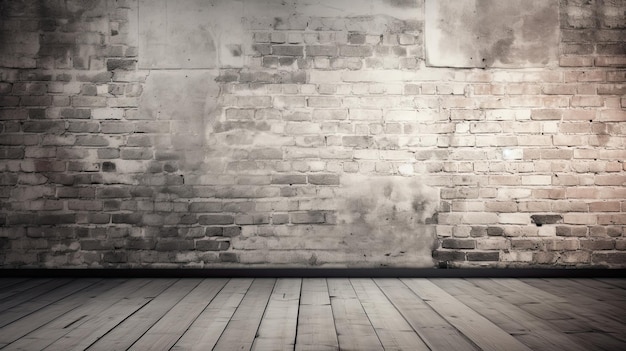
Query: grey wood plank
x,y
436,332
9,310
392,329
85,334
277,330
209,326
537,334
602,315
598,291
242,328
608,291
10,287
316,326
7,282
617,282
56,304
166,332
354,329
129,331
585,317
94,305
485,334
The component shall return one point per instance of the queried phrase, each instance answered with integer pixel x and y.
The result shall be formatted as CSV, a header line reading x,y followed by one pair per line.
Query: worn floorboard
x,y
313,314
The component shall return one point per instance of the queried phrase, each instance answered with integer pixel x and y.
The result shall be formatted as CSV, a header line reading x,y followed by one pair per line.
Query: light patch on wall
x,y
190,34
492,33
189,100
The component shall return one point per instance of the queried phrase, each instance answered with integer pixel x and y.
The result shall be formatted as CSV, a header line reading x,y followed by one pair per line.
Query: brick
x,y
355,50
240,114
310,217
205,207
289,179
136,154
336,114
323,101
612,116
357,141
543,115
458,244
587,101
229,257
570,231
321,50
212,245
127,218
610,61
121,64
287,50
13,114
449,255
597,244
616,258
89,101
231,232
483,256
576,61
174,244
324,179
526,244
217,219
91,140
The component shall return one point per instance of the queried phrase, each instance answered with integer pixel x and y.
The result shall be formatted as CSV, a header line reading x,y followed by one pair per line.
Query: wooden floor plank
x,y
610,297
585,317
39,291
278,326
393,330
57,303
209,326
602,315
535,333
11,289
474,326
436,332
354,329
316,326
96,304
85,334
129,331
7,282
166,332
313,314
242,328
608,291
620,283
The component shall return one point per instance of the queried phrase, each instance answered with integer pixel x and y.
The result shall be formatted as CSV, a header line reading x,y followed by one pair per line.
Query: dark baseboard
x,y
318,273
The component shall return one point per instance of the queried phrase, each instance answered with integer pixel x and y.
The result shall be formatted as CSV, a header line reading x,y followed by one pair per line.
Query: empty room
x,y
313,175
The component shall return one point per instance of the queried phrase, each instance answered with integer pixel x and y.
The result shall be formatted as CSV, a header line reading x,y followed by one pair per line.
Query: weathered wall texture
x,y
332,133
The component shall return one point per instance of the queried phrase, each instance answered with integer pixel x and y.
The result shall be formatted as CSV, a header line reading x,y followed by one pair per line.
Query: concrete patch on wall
x,y
189,101
190,34
492,33
400,9
389,216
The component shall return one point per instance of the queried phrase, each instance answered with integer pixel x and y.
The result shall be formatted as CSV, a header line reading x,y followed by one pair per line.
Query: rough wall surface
x,y
304,133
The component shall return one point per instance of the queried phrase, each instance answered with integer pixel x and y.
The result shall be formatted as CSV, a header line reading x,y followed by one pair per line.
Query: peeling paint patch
x,y
388,217
190,34
492,33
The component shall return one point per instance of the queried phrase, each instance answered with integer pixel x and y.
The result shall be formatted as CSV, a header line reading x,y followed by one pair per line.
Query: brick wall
x,y
315,136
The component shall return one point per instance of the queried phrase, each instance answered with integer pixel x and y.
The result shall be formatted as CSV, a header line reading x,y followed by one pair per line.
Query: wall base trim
x,y
318,273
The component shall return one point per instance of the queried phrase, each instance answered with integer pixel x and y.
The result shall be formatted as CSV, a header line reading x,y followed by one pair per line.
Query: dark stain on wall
x,y
388,217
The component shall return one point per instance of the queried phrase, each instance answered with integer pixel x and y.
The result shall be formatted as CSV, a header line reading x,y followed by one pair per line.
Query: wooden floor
x,y
313,314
